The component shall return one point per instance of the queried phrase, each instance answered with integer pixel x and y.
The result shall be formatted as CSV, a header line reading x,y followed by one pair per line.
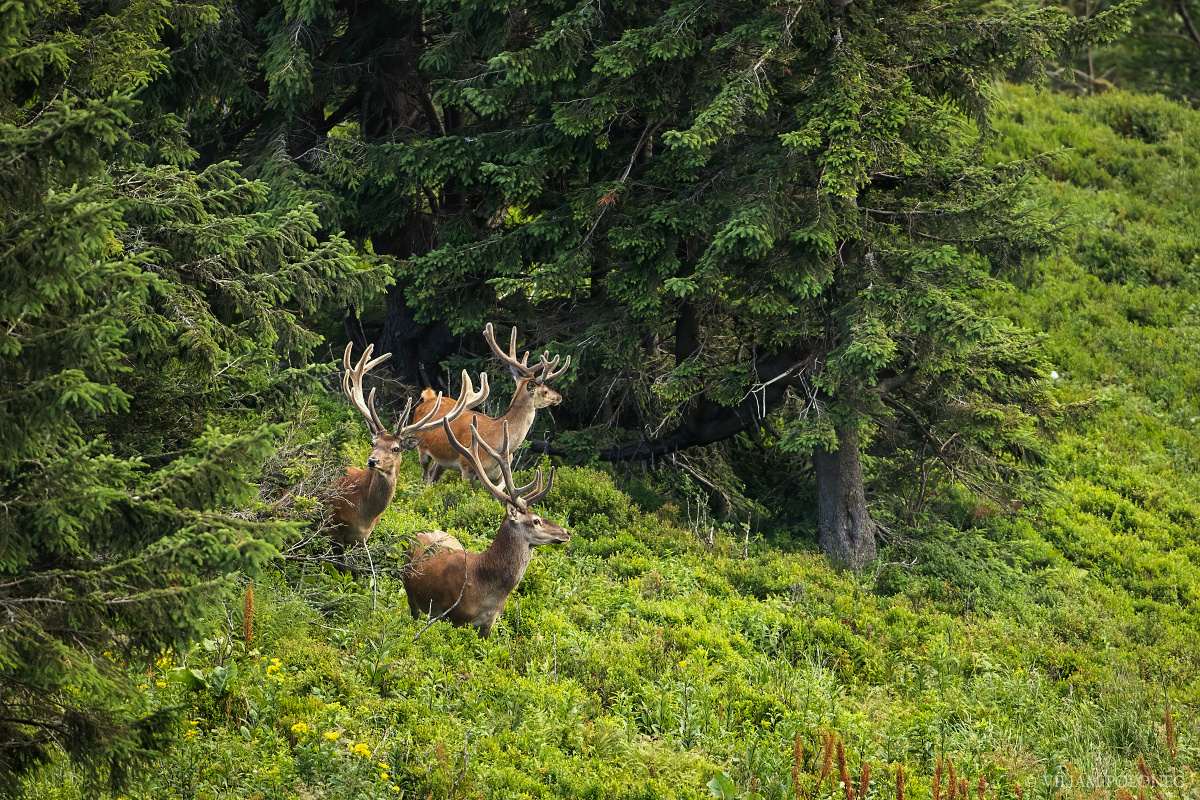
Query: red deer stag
x,y
446,581
360,496
531,393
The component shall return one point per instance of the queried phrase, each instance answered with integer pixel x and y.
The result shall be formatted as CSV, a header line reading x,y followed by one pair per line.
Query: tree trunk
x,y
417,347
845,528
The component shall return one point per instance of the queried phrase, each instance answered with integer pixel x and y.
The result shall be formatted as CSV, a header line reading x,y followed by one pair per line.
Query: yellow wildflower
x,y
300,728
383,766
383,776
161,684
360,749
191,733
331,736
272,669
394,788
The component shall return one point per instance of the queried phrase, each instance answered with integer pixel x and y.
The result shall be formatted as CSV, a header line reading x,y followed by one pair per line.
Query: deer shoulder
x,y
531,393
449,582
358,499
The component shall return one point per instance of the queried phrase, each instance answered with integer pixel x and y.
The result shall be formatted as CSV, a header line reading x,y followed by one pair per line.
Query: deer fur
x,y
358,499
435,451
446,581
531,393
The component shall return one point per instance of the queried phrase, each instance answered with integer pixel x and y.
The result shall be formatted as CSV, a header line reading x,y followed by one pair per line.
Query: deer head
x,y
529,379
521,521
389,444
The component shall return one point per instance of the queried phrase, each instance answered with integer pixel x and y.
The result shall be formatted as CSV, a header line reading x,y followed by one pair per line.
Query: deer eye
x,y
537,521
395,448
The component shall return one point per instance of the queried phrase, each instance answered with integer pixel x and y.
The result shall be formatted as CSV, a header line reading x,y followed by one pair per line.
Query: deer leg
x,y
469,473
433,471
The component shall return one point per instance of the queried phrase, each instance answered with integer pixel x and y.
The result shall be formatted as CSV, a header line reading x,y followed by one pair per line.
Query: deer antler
x,y
509,493
518,368
539,490
468,398
546,370
352,380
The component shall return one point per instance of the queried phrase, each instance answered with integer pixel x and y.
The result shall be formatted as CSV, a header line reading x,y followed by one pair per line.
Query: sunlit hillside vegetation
x,y
1051,648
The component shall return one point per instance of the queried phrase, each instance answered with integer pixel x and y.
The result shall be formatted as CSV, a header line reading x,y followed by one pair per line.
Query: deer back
x,y
439,579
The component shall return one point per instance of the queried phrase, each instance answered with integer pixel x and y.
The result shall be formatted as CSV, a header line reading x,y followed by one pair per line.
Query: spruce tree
x,y
144,303
744,217
1160,53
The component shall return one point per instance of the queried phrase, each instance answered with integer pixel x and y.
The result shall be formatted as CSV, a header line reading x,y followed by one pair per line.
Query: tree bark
x,y
391,98
418,347
845,529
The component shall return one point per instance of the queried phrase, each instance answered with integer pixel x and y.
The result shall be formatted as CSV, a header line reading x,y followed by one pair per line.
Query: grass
x,y
638,663
1040,650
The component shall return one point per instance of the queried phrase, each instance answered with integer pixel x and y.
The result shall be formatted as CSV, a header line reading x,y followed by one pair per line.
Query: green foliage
x,y
140,299
1158,51
639,661
1038,647
692,198
835,186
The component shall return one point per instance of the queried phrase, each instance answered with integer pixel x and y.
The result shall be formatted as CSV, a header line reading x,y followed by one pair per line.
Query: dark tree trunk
x,y
844,525
418,347
392,99
687,333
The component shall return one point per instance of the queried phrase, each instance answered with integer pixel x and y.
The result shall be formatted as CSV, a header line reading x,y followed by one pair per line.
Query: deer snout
x,y
563,537
372,462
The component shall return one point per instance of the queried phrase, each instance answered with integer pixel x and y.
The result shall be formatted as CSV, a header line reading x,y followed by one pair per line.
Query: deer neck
x,y
503,564
381,486
520,412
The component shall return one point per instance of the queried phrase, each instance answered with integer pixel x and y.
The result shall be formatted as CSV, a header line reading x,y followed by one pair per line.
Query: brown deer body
x,y
446,581
531,394
359,498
